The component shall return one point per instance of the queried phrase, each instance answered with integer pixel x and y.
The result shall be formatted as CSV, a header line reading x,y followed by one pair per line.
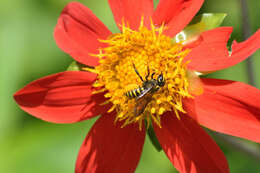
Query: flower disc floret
x,y
144,48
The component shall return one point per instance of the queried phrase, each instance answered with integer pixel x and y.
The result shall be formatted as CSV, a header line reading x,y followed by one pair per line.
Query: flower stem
x,y
238,144
246,33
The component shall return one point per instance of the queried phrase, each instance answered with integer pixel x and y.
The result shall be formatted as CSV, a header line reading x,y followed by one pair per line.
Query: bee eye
x,y
160,80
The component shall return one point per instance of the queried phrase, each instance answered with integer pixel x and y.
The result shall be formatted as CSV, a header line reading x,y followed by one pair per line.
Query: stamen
x,y
99,91
126,61
89,69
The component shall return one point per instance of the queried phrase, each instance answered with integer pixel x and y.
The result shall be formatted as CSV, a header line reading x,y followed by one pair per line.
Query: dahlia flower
x,y
112,81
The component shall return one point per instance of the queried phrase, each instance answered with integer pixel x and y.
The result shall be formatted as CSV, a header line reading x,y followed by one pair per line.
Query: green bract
x,y
154,139
75,66
199,24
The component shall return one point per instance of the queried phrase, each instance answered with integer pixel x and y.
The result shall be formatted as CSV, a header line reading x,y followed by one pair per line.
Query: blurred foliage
x,y
28,52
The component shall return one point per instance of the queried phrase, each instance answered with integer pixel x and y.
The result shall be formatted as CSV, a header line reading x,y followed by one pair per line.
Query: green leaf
x,y
199,24
154,139
75,66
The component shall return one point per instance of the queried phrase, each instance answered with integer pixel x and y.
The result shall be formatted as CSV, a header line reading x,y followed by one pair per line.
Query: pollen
x,y
145,48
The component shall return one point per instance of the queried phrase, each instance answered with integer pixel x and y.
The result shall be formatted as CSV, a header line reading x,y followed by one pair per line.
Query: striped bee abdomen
x,y
135,92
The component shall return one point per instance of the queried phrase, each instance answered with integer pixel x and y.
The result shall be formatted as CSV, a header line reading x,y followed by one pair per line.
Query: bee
x,y
143,94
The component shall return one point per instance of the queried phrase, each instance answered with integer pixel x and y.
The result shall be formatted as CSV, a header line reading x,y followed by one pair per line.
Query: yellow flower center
x,y
148,52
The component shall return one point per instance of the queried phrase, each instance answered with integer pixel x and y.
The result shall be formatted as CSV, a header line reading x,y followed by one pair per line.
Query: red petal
x,y
176,14
61,98
241,51
195,85
131,11
210,52
189,147
212,48
110,148
78,31
228,107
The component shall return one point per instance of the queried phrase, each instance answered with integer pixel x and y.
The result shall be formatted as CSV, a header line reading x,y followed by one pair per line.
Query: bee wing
x,y
141,103
144,93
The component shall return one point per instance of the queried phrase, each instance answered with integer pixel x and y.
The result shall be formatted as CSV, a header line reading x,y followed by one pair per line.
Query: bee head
x,y
160,80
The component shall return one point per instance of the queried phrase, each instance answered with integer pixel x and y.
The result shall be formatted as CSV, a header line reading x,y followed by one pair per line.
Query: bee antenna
x,y
148,73
136,71
152,75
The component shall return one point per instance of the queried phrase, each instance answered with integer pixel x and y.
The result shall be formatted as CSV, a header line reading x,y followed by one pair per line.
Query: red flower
x,y
114,144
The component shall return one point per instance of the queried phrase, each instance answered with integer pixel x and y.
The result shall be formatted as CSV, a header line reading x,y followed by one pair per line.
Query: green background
x,y
28,51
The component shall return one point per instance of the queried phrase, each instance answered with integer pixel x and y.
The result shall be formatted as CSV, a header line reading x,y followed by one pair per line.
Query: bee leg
x,y
135,108
152,75
135,112
148,73
136,71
